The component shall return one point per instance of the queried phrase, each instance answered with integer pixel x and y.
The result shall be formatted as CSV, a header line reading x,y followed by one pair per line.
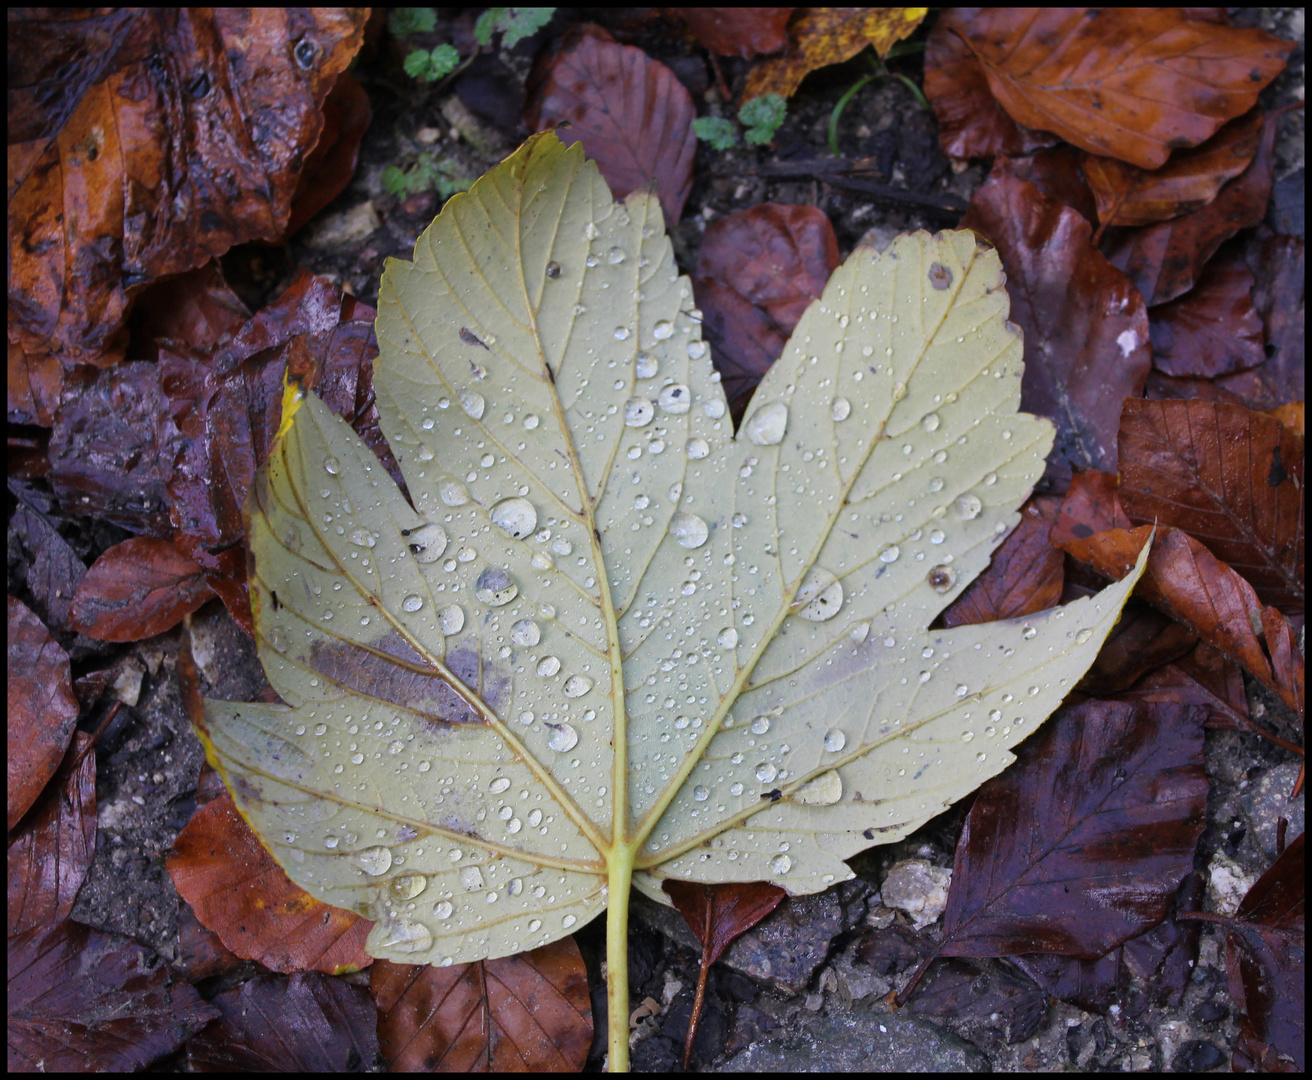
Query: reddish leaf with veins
x,y
1230,477
1212,329
717,914
1127,83
138,589
525,1013
738,31
1081,845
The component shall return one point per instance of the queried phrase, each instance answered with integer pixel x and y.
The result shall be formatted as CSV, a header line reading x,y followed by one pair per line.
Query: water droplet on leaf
x,y
515,517
767,425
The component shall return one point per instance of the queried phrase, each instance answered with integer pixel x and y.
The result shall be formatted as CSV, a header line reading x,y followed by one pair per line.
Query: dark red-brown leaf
x,y
1092,505
719,913
1082,844
523,1013
138,589
1196,588
83,1001
1230,477
331,164
303,1023
1264,951
54,569
971,122
1129,195
1204,677
738,31
631,113
1165,260
1086,328
757,271
51,850
1212,329
42,708
1024,576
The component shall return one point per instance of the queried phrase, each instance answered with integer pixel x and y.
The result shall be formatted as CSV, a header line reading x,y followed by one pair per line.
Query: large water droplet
x,y
526,632
615,256
968,507
840,410
689,530
646,365
638,412
1083,635
859,632
675,399
930,421
890,553
495,587
819,597
515,517
374,861
767,425
471,877
835,740
1028,632
765,772
781,864
696,350
713,407
728,637
577,685
548,666
760,725
443,910
696,449
451,619
412,603
362,538
408,886
427,542
472,402
562,738
407,936
330,465
452,494
663,330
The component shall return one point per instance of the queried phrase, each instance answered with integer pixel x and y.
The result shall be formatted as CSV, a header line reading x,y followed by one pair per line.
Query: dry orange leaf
x,y
240,893
824,36
1128,83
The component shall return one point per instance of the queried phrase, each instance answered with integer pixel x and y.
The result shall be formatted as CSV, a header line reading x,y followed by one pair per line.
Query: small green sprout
x,y
430,66
426,174
514,24
761,117
717,131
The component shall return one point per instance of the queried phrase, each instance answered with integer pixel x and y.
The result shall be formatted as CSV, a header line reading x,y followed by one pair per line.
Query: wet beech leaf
x,y
608,641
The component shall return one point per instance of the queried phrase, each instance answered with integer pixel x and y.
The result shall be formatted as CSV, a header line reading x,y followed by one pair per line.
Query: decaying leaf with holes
x,y
610,642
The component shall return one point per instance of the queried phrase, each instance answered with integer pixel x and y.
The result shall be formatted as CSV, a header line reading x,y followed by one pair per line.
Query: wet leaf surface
x,y
525,1013
744,31
480,633
83,1001
1100,818
42,710
302,1023
1212,329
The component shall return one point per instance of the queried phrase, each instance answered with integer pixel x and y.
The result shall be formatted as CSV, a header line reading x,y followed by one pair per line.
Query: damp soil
x,y
148,758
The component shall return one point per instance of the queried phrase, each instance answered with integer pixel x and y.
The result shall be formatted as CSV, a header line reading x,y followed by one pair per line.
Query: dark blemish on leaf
x,y
274,595
773,796
470,339
553,269
940,276
1277,475
596,533
1082,530
868,834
